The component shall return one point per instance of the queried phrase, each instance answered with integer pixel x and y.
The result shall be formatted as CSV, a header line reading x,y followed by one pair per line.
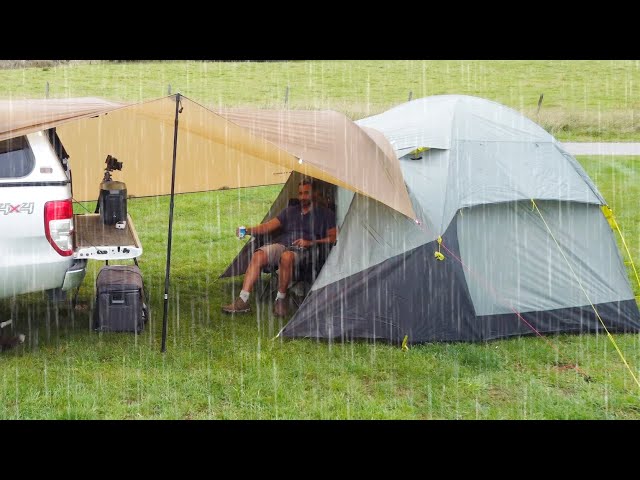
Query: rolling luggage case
x,y
120,297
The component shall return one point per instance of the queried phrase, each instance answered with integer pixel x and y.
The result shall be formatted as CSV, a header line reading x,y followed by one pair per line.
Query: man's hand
x,y
302,243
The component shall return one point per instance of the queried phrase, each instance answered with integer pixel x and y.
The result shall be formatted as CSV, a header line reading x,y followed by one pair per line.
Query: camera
x,y
112,164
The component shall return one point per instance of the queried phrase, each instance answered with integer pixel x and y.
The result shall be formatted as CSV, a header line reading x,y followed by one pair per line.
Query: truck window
x,y
16,158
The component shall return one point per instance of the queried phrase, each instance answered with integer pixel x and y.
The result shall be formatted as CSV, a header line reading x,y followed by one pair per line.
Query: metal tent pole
x,y
168,267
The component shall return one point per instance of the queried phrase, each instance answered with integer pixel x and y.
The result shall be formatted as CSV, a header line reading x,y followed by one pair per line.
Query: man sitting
x,y
301,227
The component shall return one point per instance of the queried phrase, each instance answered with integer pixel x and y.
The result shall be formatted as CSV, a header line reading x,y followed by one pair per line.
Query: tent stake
x,y
168,267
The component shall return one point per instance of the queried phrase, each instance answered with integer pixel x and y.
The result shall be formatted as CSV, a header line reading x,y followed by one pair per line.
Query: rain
x,y
460,240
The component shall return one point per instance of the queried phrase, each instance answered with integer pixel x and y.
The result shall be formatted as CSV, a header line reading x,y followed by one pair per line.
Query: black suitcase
x,y
120,303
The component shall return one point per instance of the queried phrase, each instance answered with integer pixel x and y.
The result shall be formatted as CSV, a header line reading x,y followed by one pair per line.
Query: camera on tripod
x,y
112,202
112,164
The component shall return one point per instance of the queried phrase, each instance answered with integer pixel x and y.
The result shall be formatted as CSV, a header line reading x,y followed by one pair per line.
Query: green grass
x,y
224,367
583,100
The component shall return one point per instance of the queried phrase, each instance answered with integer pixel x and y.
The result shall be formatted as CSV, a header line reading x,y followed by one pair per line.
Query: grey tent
x,y
524,245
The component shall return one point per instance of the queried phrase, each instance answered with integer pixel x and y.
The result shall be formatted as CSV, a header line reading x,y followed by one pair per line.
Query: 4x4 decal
x,y
25,207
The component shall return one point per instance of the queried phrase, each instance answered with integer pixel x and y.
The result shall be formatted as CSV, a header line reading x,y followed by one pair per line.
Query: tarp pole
x,y
168,267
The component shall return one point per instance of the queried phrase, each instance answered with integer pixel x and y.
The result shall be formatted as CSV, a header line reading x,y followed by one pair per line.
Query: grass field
x,y
222,367
583,100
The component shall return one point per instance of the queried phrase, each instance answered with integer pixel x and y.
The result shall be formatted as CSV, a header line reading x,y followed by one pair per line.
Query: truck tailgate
x,y
97,241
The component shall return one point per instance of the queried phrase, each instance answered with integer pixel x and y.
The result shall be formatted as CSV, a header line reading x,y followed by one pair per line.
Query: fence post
x,y
540,103
286,95
46,90
169,89
410,95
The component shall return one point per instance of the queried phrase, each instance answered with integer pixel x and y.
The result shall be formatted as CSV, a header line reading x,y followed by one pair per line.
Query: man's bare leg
x,y
287,260
285,271
241,304
258,262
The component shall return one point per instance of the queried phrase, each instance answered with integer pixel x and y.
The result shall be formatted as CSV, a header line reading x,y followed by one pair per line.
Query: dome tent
x,y
526,245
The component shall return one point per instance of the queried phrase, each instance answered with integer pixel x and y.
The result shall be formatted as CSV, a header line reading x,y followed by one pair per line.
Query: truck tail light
x,y
58,225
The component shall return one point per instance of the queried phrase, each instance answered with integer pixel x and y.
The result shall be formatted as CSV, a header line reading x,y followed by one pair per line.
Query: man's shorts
x,y
275,250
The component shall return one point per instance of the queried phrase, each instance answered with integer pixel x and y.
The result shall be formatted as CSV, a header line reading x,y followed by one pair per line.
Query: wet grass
x,y
583,100
225,367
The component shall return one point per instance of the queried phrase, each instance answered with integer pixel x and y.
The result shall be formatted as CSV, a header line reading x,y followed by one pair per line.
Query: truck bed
x,y
97,241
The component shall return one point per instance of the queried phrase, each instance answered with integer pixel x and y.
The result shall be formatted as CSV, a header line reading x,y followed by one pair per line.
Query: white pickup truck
x,y
36,217
45,247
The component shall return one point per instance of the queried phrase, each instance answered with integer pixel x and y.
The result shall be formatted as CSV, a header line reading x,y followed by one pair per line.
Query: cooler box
x,y
120,303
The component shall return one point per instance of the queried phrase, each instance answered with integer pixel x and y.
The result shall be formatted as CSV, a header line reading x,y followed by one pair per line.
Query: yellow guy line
x,y
608,213
586,295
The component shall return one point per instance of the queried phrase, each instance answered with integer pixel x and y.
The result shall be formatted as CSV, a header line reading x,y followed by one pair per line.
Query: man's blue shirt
x,y
313,225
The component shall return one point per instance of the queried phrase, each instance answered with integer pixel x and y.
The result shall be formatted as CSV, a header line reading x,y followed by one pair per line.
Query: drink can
x,y
242,231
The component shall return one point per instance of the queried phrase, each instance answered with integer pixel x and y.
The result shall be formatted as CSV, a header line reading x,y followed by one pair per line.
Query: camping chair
x,y
306,275
272,283
303,277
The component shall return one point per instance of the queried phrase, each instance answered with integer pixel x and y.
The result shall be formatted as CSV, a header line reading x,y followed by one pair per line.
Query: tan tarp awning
x,y
228,149
19,117
349,156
